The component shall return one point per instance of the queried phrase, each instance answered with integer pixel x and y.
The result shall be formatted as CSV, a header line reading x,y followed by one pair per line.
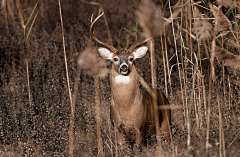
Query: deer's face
x,y
123,59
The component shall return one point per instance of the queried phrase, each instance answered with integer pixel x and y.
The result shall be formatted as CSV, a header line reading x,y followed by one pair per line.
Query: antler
x,y
136,44
112,48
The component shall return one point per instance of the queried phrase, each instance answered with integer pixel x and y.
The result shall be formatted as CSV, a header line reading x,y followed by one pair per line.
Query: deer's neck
x,y
125,89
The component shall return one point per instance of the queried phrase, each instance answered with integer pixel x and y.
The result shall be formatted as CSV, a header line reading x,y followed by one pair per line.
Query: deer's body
x,y
126,98
131,107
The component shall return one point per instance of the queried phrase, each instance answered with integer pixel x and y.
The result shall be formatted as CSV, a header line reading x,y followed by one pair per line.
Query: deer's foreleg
x,y
117,123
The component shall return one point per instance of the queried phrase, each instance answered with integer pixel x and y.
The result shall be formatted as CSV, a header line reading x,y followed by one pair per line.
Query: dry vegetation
x,y
197,67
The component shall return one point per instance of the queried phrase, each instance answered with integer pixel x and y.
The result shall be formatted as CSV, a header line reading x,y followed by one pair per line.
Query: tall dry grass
x,y
200,48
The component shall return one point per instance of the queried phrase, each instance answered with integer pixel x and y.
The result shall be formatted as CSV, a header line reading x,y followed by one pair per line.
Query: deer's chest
x,y
124,89
122,79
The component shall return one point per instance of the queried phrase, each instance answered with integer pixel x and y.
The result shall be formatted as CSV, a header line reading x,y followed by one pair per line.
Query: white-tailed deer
x,y
131,107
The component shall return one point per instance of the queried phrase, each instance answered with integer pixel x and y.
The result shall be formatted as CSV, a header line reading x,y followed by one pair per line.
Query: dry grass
x,y
95,67
199,65
150,19
201,27
222,23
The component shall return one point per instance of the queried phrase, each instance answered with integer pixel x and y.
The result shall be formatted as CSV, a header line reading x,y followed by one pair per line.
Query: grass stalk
x,y
229,94
64,51
208,113
200,102
4,7
184,80
220,125
154,80
211,78
175,44
105,19
71,126
106,22
168,70
190,106
71,141
98,117
24,26
110,134
164,66
29,91
223,82
166,89
221,133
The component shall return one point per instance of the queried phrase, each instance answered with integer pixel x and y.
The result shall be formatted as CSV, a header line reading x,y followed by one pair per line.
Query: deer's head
x,y
122,59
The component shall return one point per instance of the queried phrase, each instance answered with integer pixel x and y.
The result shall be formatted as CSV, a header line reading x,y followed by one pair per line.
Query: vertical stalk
x,y
65,56
98,119
175,44
221,133
168,71
164,65
190,106
106,22
211,78
223,83
155,106
203,85
223,141
69,90
220,125
71,127
29,91
208,113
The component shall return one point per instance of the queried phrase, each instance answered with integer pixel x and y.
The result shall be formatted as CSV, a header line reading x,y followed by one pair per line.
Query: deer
x,y
131,109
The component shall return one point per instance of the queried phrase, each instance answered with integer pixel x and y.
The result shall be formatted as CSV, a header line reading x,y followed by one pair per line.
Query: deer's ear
x,y
140,52
105,53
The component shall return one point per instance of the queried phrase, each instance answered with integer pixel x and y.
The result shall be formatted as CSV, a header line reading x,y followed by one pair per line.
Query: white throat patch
x,y
122,79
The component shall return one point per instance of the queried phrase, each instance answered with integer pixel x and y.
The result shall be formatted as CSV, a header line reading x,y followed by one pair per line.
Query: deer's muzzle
x,y
124,70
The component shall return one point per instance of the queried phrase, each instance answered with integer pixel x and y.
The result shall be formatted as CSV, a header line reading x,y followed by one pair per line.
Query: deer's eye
x,y
115,59
130,59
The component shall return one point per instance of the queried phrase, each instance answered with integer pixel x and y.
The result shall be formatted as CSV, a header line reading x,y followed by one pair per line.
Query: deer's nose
x,y
124,68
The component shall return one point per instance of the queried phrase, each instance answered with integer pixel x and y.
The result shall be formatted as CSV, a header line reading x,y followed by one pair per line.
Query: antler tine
x,y
136,44
112,48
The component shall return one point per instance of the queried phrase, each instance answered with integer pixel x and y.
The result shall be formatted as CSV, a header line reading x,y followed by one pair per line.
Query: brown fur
x,y
132,110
